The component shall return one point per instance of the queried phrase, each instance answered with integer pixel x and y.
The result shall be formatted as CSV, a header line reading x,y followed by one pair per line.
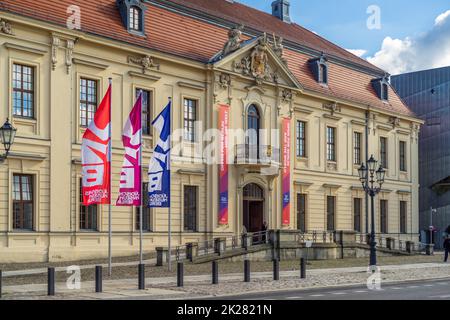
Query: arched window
x,y
253,191
253,127
135,19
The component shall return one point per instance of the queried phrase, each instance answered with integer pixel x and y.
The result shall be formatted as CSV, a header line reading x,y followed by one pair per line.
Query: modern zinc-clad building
x,y
427,93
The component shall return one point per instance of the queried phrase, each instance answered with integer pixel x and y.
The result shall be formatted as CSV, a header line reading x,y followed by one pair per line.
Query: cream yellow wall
x,y
49,147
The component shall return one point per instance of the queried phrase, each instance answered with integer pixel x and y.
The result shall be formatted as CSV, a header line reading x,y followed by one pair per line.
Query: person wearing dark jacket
x,y
446,243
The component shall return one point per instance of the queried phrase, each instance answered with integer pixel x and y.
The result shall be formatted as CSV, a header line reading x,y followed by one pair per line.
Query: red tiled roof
x,y
178,34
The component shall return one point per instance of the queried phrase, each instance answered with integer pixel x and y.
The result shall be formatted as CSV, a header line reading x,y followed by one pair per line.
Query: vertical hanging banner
x,y
159,168
224,118
95,158
286,176
130,177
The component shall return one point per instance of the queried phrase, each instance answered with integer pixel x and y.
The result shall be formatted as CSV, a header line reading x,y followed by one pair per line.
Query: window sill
x,y
23,231
25,119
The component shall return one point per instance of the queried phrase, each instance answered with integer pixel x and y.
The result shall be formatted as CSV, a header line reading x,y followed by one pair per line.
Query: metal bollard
x,y
180,274
0,284
215,272
247,271
276,269
141,272
98,279
51,281
302,268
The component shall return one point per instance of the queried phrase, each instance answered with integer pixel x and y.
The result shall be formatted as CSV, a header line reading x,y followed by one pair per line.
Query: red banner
x,y
286,175
224,116
95,156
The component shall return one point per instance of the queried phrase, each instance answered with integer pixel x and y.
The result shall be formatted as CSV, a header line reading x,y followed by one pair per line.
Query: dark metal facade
x,y
427,93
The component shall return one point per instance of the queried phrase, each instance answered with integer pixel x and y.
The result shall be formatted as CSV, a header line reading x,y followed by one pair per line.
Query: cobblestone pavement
x,y
199,286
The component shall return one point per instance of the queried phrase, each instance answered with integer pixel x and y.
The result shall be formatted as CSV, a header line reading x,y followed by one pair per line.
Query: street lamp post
x,y
7,135
368,176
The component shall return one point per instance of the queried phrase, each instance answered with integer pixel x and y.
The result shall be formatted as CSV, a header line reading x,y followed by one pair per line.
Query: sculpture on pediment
x,y
278,48
5,27
234,40
394,121
146,62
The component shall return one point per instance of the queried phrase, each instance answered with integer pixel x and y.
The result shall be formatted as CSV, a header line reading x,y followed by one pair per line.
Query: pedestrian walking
x,y
446,243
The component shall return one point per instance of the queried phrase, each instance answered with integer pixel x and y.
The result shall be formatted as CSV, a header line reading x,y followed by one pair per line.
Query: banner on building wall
x,y
224,118
96,156
286,176
130,193
159,167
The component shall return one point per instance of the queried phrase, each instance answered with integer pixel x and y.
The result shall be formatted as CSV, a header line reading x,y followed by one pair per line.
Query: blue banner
x,y
159,168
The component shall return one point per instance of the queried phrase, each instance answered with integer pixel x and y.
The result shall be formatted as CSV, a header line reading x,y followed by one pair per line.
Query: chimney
x,y
280,9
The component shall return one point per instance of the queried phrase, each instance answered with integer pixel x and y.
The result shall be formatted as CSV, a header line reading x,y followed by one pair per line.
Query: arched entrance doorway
x,y
253,197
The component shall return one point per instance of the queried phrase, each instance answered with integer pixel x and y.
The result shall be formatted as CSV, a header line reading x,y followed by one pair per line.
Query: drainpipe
x,y
367,158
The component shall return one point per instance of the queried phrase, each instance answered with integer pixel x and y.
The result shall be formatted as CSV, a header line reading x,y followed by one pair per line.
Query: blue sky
x,y
344,22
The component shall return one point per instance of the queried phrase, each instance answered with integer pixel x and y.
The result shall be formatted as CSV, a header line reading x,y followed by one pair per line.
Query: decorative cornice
x,y
303,110
27,156
17,47
303,183
331,186
191,85
358,122
404,192
143,75
89,63
191,172
328,116
384,127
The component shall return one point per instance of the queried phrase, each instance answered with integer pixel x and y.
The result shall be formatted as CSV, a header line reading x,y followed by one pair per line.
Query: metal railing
x,y
254,154
396,241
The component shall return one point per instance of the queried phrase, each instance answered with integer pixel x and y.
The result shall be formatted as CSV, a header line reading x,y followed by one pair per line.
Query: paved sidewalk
x,y
199,285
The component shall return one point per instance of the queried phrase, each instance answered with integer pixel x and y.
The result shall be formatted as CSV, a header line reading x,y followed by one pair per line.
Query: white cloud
x,y
429,50
441,18
357,52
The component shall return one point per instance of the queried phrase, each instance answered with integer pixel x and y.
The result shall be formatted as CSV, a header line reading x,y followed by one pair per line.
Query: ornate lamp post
x,y
7,135
368,176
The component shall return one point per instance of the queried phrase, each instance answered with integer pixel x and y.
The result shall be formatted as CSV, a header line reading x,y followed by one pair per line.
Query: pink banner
x,y
95,156
286,176
224,116
130,193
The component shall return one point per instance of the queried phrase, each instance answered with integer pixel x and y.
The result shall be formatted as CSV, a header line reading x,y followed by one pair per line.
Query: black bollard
x,y
276,269
180,274
0,284
51,281
215,272
247,271
302,268
141,276
98,279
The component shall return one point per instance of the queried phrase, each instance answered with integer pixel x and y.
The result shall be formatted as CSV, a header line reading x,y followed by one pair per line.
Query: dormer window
x,y
381,87
319,69
132,13
135,19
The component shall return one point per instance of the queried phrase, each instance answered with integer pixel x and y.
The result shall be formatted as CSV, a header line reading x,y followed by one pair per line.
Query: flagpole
x,y
141,258
170,190
110,184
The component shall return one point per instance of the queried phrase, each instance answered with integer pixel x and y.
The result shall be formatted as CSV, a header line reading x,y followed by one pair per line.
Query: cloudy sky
x,y
398,36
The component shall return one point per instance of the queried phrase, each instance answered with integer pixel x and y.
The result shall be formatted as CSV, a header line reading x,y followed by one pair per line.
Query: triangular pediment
x,y
257,59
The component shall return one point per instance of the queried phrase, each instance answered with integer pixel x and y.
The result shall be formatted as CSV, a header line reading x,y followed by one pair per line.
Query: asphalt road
x,y
412,290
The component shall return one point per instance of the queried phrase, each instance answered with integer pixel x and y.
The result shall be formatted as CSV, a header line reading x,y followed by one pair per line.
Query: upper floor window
x,y
301,139
23,203
190,208
357,148
384,92
147,105
403,212
135,19
88,101
331,144
383,153
23,91
190,117
402,155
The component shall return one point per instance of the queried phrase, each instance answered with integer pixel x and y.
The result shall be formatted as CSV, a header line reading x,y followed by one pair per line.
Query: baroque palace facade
x,y
55,61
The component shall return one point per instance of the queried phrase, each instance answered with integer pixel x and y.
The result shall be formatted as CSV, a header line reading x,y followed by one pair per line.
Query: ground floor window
x,y
403,206
384,216
23,210
331,208
190,208
357,204
301,212
88,214
146,218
